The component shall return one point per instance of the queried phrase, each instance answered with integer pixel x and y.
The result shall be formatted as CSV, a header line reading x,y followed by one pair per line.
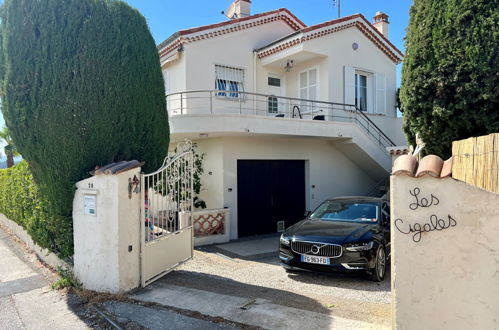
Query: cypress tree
x,y
450,75
81,86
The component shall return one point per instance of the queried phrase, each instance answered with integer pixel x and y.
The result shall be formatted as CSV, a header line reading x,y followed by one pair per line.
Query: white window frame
x,y
230,81
166,81
275,98
376,89
308,85
358,90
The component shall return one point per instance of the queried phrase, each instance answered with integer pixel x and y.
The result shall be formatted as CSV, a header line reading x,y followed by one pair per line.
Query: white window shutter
x,y
349,85
380,79
166,80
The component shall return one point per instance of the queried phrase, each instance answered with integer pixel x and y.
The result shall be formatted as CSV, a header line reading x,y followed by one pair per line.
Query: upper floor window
x,y
308,84
229,81
366,90
166,80
361,91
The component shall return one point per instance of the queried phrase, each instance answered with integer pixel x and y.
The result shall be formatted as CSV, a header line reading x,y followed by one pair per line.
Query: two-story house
x,y
286,114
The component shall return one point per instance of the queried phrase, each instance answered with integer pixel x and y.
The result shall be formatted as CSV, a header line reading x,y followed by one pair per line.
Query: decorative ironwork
x,y
167,194
208,224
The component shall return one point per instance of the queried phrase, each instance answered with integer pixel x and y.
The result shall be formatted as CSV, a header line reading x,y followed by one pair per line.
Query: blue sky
x,y
167,16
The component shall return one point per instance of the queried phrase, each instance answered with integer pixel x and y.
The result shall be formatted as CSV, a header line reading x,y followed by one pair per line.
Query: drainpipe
x,y
254,79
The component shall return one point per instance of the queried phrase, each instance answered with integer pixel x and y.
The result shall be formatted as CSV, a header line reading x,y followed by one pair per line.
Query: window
x,y
229,81
273,81
274,89
308,84
361,91
166,80
366,90
272,104
351,211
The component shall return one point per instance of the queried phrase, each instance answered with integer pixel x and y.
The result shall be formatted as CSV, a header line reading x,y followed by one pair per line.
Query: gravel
x,y
348,296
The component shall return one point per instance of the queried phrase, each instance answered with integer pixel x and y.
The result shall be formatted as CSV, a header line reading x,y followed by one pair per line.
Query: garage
x,y
269,191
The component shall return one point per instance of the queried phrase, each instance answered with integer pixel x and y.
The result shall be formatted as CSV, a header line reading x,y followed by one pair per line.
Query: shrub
x,y
67,279
81,86
450,85
22,202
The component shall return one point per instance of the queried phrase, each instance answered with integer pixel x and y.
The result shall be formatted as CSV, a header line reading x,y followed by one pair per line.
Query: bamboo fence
x,y
476,161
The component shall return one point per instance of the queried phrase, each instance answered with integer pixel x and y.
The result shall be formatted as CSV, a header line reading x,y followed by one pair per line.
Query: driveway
x,y
249,270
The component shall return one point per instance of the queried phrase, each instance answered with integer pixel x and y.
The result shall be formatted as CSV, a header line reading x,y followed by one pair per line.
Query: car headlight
x,y
284,240
360,246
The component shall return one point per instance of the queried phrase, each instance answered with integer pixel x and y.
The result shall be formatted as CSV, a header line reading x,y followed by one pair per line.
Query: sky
x,y
165,17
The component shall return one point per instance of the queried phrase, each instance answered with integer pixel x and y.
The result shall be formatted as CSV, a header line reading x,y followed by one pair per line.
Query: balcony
x,y
324,119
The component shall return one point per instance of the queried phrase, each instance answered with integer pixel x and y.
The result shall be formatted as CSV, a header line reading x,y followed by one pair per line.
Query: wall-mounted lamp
x,y
355,46
289,66
180,48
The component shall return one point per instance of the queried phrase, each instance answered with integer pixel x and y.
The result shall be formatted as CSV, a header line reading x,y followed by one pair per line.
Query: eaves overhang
x,y
320,30
174,43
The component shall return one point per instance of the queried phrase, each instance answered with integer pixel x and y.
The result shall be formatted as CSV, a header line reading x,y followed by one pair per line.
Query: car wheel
x,y
379,270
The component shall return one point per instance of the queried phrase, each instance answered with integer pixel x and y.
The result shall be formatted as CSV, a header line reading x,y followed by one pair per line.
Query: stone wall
x,y
445,262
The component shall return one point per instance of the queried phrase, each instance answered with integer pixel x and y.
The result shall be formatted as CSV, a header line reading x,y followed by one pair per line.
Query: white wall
x,y
329,170
333,53
445,278
102,260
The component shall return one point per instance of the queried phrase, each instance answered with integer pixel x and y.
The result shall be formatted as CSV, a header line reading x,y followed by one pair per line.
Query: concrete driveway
x,y
243,281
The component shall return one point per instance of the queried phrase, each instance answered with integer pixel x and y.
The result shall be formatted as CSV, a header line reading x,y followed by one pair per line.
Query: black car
x,y
349,234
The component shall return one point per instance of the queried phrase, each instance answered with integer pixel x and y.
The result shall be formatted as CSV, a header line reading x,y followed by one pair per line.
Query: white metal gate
x,y
166,206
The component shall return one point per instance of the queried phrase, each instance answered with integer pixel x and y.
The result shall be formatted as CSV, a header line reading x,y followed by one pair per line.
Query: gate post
x,y
106,221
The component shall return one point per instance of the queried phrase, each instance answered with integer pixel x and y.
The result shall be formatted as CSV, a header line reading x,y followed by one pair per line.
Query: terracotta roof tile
x,y
116,168
446,169
398,150
405,164
429,165
296,25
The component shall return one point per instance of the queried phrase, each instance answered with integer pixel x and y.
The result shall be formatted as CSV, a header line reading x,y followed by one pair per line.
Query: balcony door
x,y
275,104
308,90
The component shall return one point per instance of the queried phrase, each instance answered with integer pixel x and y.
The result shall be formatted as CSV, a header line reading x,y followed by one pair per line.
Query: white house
x,y
286,114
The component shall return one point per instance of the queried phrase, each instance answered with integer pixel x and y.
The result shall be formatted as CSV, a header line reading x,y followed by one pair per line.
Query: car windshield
x,y
364,212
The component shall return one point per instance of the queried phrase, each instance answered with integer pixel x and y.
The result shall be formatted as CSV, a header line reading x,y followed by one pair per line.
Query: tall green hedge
x,y
81,86
22,202
450,80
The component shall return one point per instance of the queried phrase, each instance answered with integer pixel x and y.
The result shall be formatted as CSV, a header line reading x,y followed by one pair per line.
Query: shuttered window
x,y
367,91
229,81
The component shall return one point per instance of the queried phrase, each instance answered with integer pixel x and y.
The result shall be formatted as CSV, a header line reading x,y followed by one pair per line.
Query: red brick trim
x,y
394,56
284,15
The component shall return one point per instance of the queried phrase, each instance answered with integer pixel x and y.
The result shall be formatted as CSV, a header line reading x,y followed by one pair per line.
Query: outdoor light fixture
x,y
289,66
355,46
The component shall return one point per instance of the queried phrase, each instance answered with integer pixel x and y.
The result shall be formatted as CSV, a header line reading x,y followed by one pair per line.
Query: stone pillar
x,y
106,225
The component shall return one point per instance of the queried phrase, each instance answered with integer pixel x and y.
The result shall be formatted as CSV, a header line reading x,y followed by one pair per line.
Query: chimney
x,y
380,22
238,9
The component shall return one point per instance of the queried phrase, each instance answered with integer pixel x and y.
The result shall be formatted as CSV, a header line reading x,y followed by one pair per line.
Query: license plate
x,y
314,259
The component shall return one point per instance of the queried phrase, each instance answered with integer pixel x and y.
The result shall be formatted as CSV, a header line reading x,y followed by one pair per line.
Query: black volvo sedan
x,y
349,234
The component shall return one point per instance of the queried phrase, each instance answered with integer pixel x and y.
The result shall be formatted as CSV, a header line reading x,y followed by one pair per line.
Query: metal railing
x,y
254,104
